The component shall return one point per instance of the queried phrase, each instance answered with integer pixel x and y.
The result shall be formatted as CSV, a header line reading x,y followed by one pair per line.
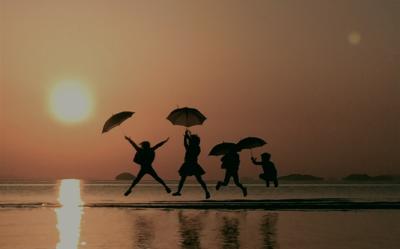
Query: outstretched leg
x,y
203,185
180,186
135,181
153,173
225,182
237,182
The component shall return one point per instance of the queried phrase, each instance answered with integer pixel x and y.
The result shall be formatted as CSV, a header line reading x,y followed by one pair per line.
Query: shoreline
x,y
283,204
286,204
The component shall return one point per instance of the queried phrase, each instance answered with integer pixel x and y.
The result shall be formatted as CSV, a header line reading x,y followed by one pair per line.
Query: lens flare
x,y
354,38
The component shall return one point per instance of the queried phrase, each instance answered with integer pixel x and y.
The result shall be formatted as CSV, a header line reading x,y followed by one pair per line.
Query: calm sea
x,y
72,214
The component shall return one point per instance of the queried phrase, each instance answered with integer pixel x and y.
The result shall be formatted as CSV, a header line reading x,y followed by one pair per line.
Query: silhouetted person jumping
x,y
270,173
144,157
230,162
191,166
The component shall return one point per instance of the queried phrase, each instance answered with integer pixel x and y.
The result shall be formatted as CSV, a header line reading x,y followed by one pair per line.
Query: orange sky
x,y
282,70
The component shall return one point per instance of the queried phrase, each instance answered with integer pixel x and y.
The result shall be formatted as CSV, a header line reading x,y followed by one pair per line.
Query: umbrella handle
x,y
251,152
122,132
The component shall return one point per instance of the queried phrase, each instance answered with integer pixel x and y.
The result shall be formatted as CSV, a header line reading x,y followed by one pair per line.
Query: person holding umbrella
x,y
191,167
189,117
230,162
270,173
144,156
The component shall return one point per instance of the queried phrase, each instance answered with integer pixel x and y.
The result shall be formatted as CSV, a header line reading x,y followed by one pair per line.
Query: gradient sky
x,y
319,80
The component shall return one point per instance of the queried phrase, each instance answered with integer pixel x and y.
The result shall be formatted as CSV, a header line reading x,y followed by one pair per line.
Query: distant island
x,y
367,178
300,177
125,176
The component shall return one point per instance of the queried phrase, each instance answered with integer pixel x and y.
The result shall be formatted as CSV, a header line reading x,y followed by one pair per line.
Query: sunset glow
x,y
209,124
323,74
70,102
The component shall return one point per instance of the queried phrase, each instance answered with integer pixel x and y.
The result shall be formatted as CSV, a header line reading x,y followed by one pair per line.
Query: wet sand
x,y
290,204
285,204
75,215
131,228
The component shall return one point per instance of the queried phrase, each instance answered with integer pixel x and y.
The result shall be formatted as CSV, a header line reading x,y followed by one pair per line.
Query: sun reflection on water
x,y
69,214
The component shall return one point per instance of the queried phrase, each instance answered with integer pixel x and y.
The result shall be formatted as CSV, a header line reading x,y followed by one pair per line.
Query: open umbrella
x,y
186,117
116,120
222,149
250,143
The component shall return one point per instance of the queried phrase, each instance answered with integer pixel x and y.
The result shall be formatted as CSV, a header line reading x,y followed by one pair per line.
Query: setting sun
x,y
70,101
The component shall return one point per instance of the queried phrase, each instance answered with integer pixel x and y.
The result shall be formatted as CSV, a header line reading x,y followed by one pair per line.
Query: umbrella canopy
x,y
250,143
116,120
222,149
186,117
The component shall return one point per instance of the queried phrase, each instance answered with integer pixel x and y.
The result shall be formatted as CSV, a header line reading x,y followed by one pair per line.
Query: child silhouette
x,y
191,166
144,156
230,162
270,173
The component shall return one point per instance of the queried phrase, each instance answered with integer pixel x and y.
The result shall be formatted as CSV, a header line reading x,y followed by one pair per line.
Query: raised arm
x,y
255,162
160,144
186,138
132,143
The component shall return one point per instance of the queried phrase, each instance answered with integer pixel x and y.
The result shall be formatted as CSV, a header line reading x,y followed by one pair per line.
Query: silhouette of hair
x,y
145,144
195,139
265,156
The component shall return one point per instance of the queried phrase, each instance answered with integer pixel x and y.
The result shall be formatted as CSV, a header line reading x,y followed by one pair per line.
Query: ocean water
x,y
93,192
72,214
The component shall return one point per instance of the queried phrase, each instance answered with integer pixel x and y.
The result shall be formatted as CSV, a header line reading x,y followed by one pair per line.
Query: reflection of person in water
x,y
231,162
144,157
191,166
189,228
270,173
230,233
268,229
144,232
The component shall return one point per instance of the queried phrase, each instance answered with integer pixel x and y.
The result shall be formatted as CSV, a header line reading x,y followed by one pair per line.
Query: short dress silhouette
x,y
191,166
